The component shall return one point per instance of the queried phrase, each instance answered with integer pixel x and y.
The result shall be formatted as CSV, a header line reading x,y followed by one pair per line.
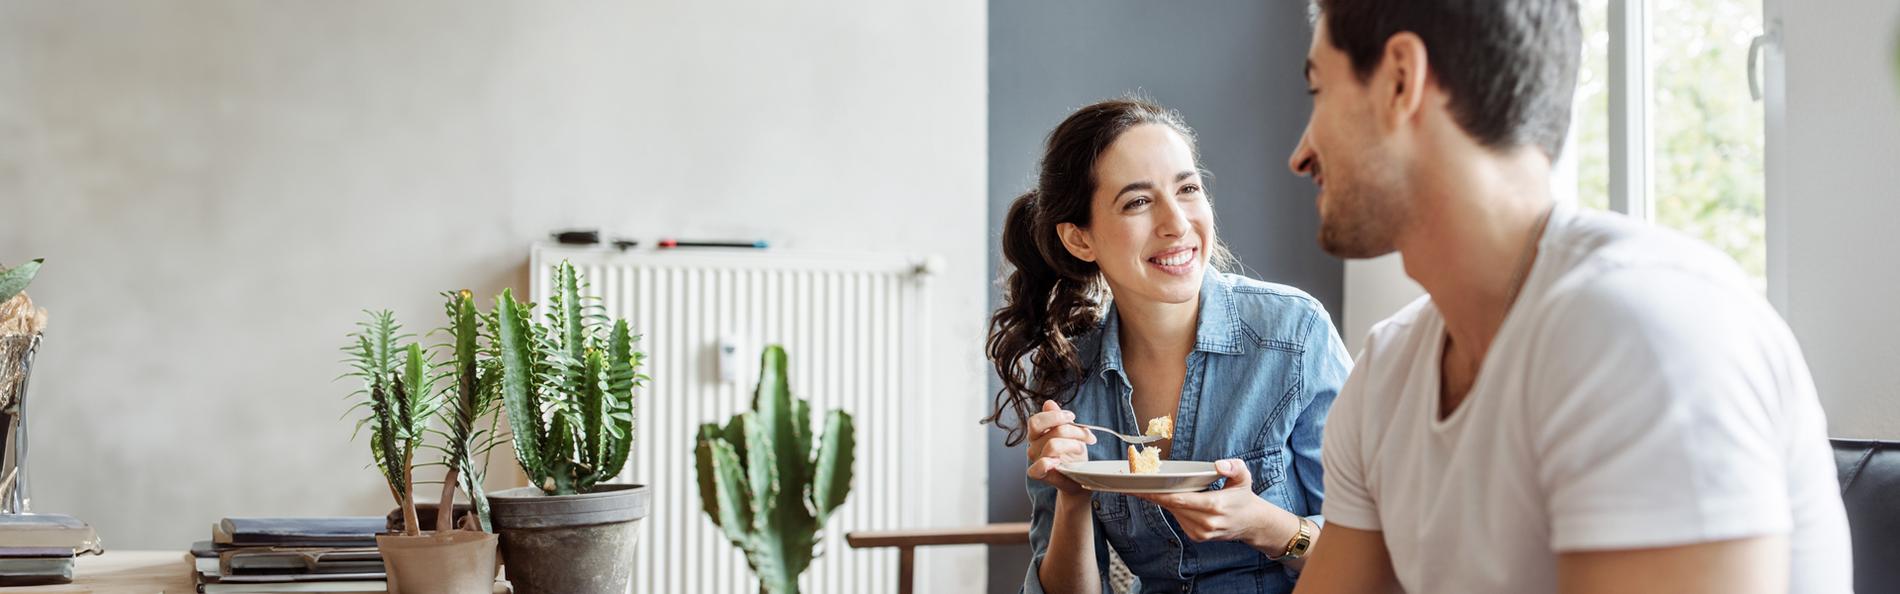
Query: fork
x,y
1136,440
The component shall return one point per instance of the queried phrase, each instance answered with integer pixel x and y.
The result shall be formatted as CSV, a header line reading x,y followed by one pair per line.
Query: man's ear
x,y
1076,239
1399,87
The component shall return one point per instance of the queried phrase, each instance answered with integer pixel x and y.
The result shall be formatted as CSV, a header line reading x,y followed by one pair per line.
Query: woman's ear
x,y
1076,240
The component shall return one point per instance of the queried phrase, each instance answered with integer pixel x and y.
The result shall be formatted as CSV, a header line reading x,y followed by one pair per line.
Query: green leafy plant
x,y
567,387
472,394
398,390
14,280
763,483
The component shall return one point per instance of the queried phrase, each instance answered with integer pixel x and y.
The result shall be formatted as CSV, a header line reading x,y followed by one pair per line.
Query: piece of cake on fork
x,y
1146,460
1162,427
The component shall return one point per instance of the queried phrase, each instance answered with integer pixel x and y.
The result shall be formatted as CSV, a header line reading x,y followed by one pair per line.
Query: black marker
x,y
578,237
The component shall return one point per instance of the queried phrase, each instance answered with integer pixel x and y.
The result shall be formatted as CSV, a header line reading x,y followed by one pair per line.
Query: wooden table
x,y
126,572
140,572
907,542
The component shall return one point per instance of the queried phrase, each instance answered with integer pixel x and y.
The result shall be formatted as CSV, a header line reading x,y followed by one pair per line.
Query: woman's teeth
x,y
1178,259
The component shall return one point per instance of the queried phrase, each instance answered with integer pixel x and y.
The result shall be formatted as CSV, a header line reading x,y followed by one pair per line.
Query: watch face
x,y
1302,540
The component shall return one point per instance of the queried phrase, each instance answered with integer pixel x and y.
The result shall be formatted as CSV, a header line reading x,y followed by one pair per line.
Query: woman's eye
x,y
1137,202
1190,189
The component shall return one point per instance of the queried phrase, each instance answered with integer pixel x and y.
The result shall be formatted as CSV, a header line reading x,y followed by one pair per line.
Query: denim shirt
x,y
1265,367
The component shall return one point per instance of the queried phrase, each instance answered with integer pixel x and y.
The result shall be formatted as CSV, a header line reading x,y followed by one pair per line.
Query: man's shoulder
x,y
1590,243
1655,306
1609,271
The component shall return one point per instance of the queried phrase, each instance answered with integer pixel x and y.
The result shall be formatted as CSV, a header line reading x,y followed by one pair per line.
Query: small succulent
x,y
399,391
14,280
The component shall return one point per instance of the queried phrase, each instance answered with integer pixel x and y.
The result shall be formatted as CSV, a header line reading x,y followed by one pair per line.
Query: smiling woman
x,y
1112,314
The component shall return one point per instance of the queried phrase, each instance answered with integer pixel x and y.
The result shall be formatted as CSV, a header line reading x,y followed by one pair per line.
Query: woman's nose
x,y
1173,218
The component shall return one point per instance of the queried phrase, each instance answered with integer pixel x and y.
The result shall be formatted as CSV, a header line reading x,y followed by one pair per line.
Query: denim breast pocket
x,y
1267,467
1111,511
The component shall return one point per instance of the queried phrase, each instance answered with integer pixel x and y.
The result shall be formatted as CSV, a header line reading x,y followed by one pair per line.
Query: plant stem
x,y
445,511
410,525
790,587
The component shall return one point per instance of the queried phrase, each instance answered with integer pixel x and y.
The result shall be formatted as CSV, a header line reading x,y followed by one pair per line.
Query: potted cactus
x,y
399,392
762,481
567,389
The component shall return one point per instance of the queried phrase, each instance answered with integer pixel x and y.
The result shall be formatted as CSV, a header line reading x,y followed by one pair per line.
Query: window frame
x,y
1632,138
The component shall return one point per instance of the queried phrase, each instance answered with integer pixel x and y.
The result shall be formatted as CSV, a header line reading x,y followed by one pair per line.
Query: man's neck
x,y
1473,240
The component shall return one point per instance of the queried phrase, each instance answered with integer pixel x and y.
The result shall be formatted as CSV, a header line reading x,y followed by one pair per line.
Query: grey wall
x,y
1233,68
219,186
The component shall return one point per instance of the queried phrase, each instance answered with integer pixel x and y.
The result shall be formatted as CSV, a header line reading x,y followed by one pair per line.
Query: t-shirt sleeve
x,y
1653,399
1348,500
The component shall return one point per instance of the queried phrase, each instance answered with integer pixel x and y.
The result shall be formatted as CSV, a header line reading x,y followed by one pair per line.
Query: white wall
x,y
219,187
1375,289
1835,172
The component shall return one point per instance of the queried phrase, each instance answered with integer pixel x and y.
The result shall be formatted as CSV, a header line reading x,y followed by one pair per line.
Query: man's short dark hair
x,y
1509,66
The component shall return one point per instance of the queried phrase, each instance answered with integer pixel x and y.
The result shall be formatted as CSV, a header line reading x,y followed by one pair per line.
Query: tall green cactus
x,y
567,387
472,393
762,482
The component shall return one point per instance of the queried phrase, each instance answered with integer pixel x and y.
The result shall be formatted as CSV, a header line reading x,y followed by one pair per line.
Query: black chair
x,y
1870,486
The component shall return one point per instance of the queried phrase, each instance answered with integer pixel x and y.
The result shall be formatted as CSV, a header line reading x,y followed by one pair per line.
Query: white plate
x,y
1176,476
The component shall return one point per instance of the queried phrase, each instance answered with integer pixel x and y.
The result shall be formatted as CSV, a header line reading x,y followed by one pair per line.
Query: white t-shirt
x,y
1639,394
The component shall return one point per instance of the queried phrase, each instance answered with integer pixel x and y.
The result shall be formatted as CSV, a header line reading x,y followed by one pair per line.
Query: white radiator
x,y
855,330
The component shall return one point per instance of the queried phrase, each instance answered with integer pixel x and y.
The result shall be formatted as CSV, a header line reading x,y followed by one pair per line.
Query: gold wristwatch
x,y
1301,542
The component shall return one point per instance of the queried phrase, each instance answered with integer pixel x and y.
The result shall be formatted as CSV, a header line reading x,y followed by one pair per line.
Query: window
x,y
1665,127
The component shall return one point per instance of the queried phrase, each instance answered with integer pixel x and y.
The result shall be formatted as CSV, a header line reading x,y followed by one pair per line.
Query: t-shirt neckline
x,y
1559,217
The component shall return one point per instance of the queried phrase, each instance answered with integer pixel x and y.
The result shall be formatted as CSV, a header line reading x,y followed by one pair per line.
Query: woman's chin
x,y
1178,288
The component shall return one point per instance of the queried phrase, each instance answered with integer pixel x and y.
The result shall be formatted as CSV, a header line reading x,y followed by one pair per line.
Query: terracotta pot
x,y
569,544
453,562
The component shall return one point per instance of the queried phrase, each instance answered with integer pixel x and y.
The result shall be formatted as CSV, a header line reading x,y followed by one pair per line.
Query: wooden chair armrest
x,y
989,534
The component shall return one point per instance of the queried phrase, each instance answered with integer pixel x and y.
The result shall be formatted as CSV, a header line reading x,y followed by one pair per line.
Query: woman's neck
x,y
1158,331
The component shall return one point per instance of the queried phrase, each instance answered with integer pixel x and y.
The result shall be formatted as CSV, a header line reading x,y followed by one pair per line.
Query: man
x,y
1582,403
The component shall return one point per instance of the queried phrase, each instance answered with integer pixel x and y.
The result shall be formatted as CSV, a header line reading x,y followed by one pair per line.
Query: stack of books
x,y
39,548
336,554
